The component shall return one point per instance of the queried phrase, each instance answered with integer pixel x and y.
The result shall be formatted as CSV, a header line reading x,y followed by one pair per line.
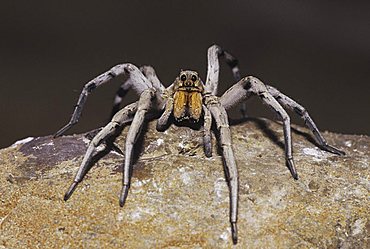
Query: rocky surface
x,y
179,198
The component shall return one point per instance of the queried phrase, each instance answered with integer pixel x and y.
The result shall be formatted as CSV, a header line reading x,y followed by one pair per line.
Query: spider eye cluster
x,y
193,77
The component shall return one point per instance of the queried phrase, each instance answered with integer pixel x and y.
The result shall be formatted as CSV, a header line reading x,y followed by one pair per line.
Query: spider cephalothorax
x,y
188,98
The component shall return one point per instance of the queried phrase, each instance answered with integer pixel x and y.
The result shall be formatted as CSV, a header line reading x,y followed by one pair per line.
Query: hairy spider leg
x,y
162,122
214,53
302,112
213,68
137,81
219,114
144,105
122,91
124,116
149,73
148,86
251,85
207,136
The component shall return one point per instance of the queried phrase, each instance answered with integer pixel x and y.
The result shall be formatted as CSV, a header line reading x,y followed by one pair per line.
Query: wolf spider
x,y
187,98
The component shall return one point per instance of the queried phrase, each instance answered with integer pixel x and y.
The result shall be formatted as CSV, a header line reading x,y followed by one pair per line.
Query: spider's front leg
x,y
207,136
144,104
213,71
213,68
137,81
163,121
124,116
219,114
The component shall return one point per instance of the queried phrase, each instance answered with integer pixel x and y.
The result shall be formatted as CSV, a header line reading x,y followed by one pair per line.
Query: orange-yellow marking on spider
x,y
188,100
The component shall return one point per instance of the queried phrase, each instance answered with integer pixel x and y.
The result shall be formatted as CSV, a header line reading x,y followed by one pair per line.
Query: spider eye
x,y
194,78
183,77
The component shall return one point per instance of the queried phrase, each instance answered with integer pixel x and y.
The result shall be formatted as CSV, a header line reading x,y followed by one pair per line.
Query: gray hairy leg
x,y
219,114
236,93
302,112
166,94
251,85
140,83
207,136
122,91
144,105
149,73
162,122
213,68
122,117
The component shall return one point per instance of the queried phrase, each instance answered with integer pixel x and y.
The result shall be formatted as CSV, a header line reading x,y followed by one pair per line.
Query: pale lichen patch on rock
x,y
22,141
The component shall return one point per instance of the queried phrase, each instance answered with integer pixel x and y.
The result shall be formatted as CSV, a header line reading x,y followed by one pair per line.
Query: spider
x,y
187,98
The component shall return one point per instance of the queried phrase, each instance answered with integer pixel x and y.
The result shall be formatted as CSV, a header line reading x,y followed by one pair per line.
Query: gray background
x,y
317,52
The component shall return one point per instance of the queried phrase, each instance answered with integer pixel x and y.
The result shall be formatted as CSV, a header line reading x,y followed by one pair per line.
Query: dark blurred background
x,y
317,52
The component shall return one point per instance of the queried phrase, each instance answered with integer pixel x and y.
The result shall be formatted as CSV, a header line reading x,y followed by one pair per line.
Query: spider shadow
x,y
109,147
268,132
139,148
271,134
196,126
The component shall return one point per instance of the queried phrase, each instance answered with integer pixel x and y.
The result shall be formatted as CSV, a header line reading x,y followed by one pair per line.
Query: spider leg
x,y
163,120
213,69
149,73
144,105
122,117
302,112
122,91
140,83
219,114
251,85
207,136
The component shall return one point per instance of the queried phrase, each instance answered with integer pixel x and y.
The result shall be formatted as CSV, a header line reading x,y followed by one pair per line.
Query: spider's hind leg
x,y
302,112
121,118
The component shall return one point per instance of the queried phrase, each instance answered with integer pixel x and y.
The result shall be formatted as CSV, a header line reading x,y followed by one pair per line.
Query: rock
x,y
179,198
